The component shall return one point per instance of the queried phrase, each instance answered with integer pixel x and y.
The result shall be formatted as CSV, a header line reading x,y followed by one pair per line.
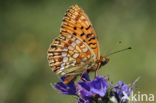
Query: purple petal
x,y
67,89
120,83
61,86
120,88
85,77
85,85
63,78
84,89
99,86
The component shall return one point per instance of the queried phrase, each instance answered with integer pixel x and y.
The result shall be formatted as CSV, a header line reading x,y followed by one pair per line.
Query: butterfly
x,y
76,50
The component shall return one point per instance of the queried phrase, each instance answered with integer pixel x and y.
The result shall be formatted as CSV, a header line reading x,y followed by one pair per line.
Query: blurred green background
x,y
28,27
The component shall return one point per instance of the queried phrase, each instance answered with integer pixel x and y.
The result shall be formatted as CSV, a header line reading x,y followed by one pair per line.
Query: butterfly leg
x,y
96,72
69,78
83,73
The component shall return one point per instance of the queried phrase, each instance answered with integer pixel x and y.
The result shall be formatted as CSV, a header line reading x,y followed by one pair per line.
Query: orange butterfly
x,y
76,50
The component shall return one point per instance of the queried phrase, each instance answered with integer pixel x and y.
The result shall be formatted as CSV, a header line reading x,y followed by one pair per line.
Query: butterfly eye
x,y
104,60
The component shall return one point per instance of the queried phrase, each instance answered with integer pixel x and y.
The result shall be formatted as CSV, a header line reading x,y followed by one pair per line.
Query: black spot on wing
x,y
82,34
82,27
50,51
88,27
91,43
75,28
74,34
64,20
88,35
91,38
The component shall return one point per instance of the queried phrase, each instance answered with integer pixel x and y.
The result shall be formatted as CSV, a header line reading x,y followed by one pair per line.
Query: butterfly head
x,y
104,60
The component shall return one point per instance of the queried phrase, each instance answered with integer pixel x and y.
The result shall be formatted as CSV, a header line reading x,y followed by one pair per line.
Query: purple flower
x,y
89,89
99,86
121,90
68,89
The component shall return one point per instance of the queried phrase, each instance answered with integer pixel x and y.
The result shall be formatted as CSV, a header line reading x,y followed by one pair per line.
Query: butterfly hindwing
x,y
69,55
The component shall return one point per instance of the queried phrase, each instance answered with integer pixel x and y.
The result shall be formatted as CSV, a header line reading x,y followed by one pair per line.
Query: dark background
x,y
28,27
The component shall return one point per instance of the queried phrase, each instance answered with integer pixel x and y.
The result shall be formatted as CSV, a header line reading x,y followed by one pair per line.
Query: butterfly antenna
x,y
133,84
119,51
116,45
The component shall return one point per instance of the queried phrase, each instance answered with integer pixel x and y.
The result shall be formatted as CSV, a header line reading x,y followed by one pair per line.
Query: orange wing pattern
x,y
77,23
68,55
76,49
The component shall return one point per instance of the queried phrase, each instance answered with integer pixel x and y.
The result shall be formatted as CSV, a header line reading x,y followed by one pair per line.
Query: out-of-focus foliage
x,y
28,27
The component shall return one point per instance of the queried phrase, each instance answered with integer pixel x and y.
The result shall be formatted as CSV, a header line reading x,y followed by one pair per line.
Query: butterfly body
x,y
76,50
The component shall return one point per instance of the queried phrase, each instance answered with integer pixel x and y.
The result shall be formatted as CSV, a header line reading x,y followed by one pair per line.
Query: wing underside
x,y
76,22
68,55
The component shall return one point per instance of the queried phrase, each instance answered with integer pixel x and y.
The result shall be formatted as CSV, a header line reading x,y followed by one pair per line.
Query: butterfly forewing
x,y
77,23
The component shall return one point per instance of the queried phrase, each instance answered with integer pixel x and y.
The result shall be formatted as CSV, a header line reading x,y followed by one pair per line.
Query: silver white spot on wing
x,y
65,59
81,62
75,55
63,64
76,13
62,37
65,49
52,61
73,44
84,59
88,56
50,54
61,68
64,53
57,42
82,46
77,41
74,62
70,48
84,49
63,73
70,59
69,36
53,47
59,71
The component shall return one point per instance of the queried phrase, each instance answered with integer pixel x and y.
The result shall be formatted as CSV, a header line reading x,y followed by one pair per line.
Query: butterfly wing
x,y
68,55
76,49
76,22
